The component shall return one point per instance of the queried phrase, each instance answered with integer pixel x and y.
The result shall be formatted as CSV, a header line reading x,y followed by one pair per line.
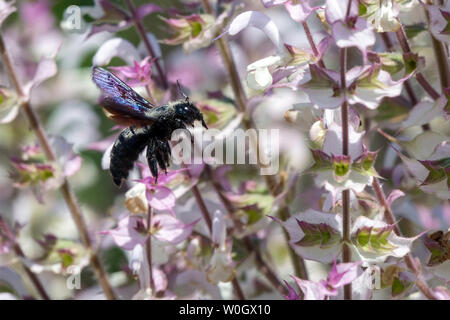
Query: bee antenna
x,y
181,91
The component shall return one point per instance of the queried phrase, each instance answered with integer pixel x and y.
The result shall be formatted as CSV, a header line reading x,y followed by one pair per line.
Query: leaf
x,y
438,244
375,240
318,234
323,235
414,29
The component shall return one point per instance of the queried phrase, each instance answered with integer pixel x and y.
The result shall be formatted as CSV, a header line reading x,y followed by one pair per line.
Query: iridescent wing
x,y
120,102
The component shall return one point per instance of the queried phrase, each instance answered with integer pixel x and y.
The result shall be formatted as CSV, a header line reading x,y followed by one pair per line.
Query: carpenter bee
x,y
148,125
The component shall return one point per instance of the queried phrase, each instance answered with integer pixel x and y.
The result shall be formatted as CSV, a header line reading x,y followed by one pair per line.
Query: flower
x,y
382,15
258,76
298,10
340,275
166,229
137,75
367,85
220,268
33,171
159,196
439,21
194,31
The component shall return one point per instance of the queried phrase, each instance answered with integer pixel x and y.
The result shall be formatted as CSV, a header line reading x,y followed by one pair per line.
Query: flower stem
x,y
409,259
6,232
312,44
143,35
149,248
403,41
346,253
241,102
65,188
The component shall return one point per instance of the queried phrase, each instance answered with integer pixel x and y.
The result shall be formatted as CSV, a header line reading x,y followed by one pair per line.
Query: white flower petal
x,y
116,47
258,20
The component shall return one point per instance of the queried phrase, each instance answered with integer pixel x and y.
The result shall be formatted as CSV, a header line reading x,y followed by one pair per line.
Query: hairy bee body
x,y
148,125
126,150
132,141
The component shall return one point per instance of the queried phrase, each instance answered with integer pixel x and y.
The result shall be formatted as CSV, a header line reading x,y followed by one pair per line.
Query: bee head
x,y
188,112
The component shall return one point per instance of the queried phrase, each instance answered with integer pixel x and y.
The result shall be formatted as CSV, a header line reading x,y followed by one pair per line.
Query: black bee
x,y
149,125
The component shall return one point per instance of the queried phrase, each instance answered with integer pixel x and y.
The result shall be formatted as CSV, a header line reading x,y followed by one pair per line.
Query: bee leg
x,y
132,130
152,160
160,158
167,153
164,155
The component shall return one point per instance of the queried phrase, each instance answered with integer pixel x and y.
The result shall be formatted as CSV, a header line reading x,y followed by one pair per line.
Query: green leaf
x,y
318,235
414,29
374,239
400,286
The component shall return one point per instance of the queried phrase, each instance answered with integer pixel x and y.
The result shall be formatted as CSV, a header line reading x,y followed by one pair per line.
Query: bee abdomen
x,y
125,152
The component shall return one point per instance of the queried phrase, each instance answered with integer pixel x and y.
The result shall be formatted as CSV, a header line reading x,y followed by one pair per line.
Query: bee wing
x,y
120,102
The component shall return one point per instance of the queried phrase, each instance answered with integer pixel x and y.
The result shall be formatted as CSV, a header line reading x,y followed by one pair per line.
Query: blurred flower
x,y
259,77
8,236
38,16
429,143
382,14
292,294
194,31
220,268
260,21
9,105
298,10
340,275
367,85
59,255
166,229
442,293
353,33
140,268
439,21
137,75
110,17
6,8
116,47
193,284
32,170
336,10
